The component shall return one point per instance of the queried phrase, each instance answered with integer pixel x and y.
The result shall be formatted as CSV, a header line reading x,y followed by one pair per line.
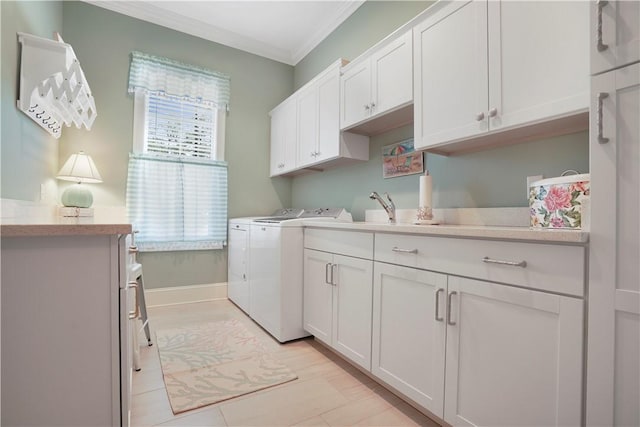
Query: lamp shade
x,y
80,168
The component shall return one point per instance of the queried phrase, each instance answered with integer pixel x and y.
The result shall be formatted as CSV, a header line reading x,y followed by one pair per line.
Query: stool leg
x,y
143,310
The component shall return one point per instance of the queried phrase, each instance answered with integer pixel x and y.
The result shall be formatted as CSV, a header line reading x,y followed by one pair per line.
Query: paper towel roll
x,y
425,191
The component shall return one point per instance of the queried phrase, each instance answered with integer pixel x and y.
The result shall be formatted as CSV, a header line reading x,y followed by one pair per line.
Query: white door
x,y
328,116
409,332
307,126
613,372
538,61
514,356
616,27
355,94
352,306
318,294
237,281
392,75
450,75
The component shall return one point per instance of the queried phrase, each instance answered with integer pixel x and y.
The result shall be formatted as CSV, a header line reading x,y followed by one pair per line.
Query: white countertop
x,y
468,231
45,221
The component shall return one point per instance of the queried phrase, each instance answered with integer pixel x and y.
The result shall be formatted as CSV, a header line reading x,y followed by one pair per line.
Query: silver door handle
x,y
488,260
404,251
599,43
326,273
480,116
333,280
493,112
438,318
601,96
449,321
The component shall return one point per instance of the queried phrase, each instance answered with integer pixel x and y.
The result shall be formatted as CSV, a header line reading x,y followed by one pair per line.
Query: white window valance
x,y
157,74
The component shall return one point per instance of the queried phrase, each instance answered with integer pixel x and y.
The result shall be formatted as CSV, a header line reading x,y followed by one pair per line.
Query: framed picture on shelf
x,y
401,159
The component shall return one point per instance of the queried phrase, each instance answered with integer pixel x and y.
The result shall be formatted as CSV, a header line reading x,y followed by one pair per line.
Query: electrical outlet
x,y
530,180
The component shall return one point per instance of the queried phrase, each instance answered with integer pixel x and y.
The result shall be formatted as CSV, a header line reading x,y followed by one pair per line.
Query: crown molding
x,y
146,11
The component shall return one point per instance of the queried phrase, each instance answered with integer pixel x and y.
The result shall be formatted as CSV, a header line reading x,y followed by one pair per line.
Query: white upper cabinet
x,y
482,67
283,138
616,26
377,84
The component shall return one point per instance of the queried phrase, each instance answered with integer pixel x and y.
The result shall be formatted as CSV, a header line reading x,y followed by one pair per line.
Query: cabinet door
x,y
450,75
355,94
392,75
614,250
538,61
237,283
409,332
352,305
328,116
318,295
307,126
283,138
514,356
616,38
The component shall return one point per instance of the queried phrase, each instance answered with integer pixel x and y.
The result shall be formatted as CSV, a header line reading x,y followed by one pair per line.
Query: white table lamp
x,y
79,168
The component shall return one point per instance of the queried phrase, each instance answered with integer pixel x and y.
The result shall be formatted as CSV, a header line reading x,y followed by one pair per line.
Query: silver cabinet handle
x,y
449,321
135,313
404,251
333,279
438,318
599,43
480,116
326,273
493,112
133,249
601,96
488,260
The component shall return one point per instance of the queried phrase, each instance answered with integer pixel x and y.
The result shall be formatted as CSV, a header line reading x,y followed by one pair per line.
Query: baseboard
x,y
185,294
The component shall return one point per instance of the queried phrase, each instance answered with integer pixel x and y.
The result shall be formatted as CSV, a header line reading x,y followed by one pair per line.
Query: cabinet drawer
x,y
554,268
352,243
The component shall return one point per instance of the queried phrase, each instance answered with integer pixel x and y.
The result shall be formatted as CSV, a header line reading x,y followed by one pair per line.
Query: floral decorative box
x,y
561,202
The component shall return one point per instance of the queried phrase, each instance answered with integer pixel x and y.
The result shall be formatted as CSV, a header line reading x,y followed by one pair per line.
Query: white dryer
x,y
273,269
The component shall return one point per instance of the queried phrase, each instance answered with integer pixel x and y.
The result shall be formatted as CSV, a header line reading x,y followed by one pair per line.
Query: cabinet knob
x,y
479,116
367,107
493,112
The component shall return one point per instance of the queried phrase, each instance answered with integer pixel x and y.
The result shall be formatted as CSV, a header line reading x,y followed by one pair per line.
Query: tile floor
x,y
328,391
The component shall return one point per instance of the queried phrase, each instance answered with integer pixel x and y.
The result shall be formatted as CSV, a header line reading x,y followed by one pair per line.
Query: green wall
x,y
370,23
103,41
29,154
490,178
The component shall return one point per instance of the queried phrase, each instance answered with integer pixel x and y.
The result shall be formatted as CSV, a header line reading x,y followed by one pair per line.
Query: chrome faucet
x,y
389,207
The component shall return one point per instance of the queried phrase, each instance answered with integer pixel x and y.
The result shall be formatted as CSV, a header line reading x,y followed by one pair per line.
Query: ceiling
x,y
285,31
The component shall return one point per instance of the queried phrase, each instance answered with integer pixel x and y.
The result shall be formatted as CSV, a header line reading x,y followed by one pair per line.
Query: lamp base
x,y
75,212
77,196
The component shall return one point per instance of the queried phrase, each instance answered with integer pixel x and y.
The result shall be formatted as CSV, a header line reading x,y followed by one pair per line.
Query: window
x,y
177,182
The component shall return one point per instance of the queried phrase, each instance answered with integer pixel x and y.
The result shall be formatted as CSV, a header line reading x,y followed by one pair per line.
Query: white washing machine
x,y
273,269
238,256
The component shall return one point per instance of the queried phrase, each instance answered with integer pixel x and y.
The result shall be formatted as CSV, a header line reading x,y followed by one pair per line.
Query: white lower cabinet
x,y
513,356
337,303
475,352
408,340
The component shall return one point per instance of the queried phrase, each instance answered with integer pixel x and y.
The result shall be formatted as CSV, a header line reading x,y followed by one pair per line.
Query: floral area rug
x,y
206,363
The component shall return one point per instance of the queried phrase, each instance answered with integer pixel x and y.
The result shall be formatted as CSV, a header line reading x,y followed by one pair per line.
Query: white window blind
x,y
177,182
